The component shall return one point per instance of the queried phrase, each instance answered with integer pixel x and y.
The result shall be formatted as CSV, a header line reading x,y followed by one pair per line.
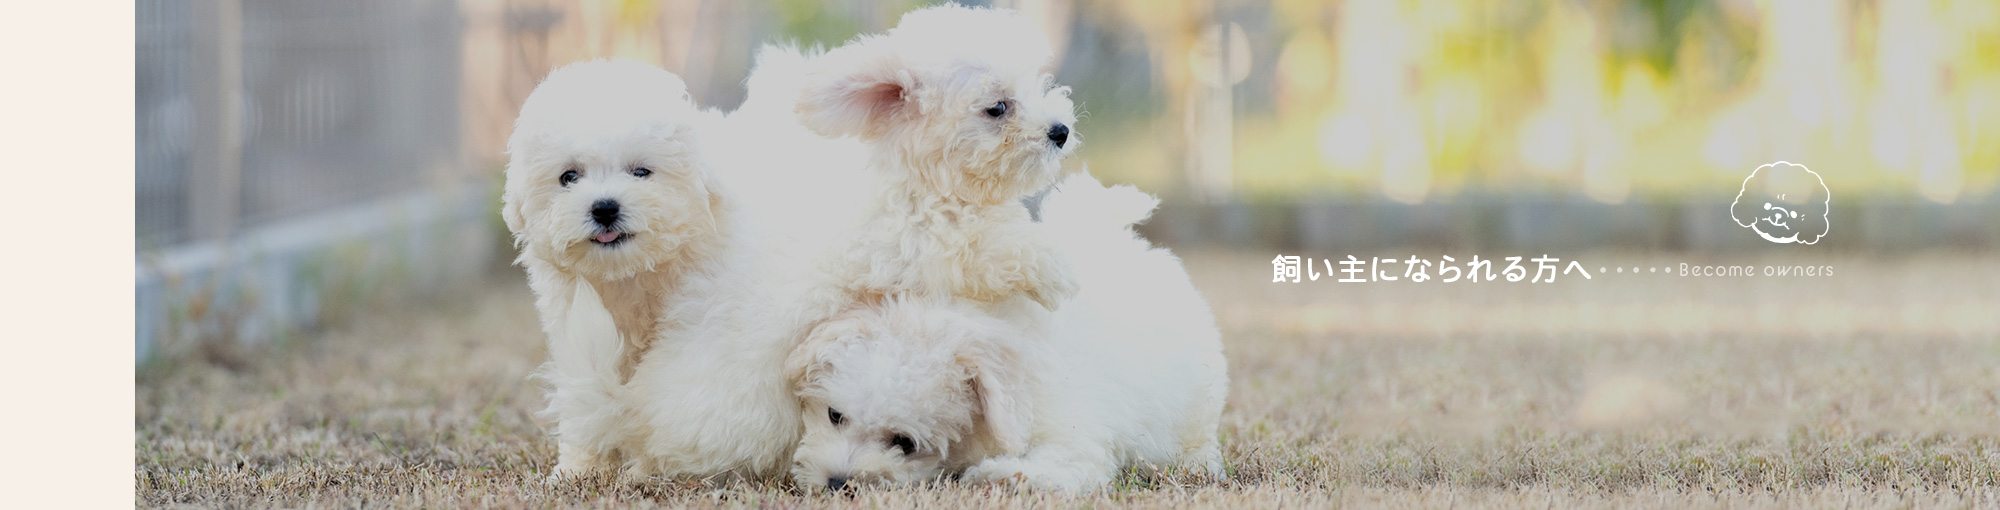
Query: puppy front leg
x,y
1033,268
1068,468
575,460
583,358
1050,280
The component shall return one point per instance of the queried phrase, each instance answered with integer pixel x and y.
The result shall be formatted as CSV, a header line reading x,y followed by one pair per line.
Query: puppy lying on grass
x,y
918,389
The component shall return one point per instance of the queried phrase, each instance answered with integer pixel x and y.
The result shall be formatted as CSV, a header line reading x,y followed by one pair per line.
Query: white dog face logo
x,y
604,178
953,95
1784,203
891,396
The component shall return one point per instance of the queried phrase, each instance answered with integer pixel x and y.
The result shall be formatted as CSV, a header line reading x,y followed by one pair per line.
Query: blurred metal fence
x,y
253,111
297,157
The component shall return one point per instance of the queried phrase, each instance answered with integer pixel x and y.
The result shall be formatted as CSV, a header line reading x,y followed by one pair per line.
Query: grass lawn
x,y
1874,388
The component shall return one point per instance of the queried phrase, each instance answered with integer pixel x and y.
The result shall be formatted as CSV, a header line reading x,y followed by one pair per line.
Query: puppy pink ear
x,y
858,90
1000,386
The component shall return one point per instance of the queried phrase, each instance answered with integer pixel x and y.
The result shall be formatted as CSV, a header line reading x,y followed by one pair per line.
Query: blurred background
x,y
296,157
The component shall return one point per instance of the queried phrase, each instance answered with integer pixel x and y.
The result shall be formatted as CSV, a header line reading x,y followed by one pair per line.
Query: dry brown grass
x,y
1873,389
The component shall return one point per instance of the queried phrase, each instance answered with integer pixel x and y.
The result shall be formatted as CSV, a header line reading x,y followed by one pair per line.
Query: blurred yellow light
x,y
1555,138
1806,48
1203,58
1406,166
1943,171
1548,143
1305,69
1347,142
1907,61
1605,176
1377,126
1375,53
1734,141
1641,103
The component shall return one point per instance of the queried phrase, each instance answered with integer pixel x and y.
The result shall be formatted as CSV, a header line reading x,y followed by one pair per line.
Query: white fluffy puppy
x,y
619,186
962,122
606,184
908,391
1134,377
606,188
711,394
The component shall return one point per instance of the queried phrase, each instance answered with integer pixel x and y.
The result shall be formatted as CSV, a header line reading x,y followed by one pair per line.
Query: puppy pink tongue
x,y
607,237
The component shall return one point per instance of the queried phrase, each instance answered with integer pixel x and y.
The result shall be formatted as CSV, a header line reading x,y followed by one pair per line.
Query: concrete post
x,y
215,162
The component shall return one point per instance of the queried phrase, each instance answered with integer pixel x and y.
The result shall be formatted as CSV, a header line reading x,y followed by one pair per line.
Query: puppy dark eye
x,y
567,178
997,109
835,416
642,172
902,442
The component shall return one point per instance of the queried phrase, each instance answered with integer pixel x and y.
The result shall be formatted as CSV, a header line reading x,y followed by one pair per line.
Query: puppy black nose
x,y
605,211
836,483
1059,135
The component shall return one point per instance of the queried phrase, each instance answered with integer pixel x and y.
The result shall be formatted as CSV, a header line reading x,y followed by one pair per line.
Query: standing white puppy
x,y
933,368
618,186
606,183
961,122
606,189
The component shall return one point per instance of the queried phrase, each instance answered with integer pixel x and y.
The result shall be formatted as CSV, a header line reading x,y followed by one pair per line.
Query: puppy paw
x,y
1050,281
997,471
573,461
1019,472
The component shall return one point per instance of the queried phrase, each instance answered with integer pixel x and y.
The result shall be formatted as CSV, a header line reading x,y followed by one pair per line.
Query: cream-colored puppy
x,y
606,183
606,188
1134,376
619,186
962,122
909,391
711,395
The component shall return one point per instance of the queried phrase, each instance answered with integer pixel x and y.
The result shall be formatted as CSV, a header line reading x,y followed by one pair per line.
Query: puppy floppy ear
x,y
858,90
704,181
510,212
512,196
999,384
808,357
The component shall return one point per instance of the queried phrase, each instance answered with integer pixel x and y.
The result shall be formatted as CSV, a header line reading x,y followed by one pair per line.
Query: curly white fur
x,y
931,370
960,119
705,298
603,120
907,391
1137,377
1134,376
675,331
